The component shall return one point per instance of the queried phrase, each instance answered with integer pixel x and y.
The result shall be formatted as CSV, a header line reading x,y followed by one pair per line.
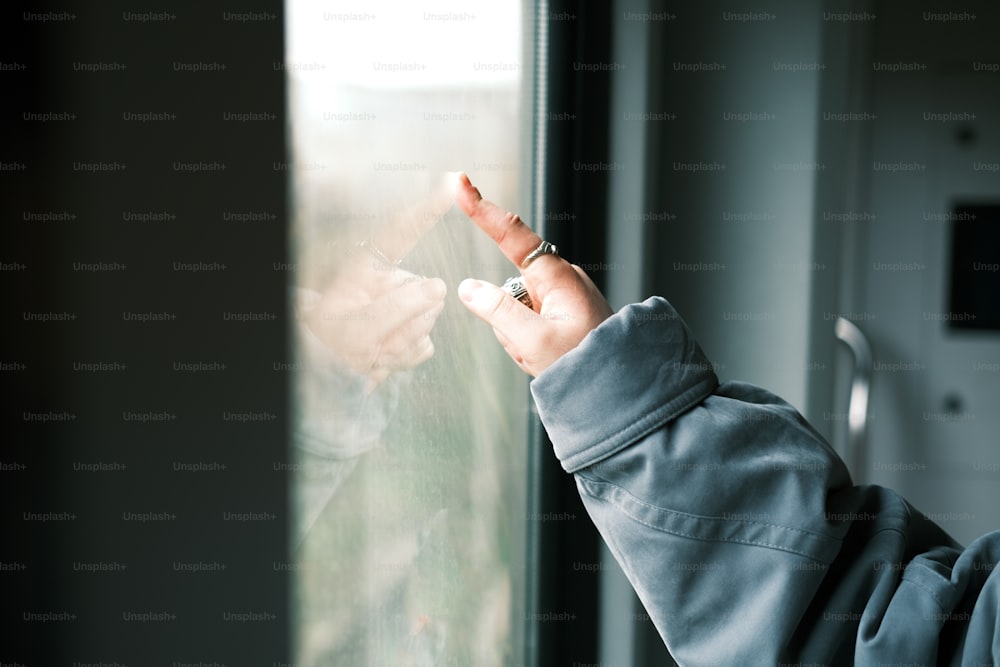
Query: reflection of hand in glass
x,y
375,317
377,320
370,320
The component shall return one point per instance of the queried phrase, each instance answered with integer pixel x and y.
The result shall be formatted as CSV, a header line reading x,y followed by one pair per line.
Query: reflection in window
x,y
409,483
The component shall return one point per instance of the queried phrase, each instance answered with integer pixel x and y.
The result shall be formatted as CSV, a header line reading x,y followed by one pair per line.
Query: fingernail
x,y
467,289
464,177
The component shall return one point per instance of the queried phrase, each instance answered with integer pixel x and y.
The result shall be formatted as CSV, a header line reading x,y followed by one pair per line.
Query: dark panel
x,y
141,317
975,268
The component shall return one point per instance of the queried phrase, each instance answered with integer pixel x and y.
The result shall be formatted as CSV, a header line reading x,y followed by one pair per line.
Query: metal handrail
x,y
857,408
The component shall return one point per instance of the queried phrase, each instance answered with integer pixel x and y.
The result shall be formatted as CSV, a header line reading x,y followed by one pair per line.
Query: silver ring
x,y
516,288
544,248
377,253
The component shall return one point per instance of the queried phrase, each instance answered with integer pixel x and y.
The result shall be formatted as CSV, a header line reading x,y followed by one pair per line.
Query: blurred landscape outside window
x,y
410,495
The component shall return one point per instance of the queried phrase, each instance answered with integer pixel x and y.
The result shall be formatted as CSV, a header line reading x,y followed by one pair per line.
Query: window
x,y
410,495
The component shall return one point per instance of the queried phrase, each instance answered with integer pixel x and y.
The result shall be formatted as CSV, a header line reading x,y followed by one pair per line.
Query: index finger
x,y
515,239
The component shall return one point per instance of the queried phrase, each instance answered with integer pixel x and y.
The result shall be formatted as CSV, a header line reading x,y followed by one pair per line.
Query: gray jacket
x,y
739,526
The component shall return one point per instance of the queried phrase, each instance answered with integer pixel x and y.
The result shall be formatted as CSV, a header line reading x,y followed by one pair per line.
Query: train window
x,y
409,478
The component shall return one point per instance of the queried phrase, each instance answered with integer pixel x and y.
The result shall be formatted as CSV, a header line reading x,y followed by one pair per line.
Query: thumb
x,y
495,307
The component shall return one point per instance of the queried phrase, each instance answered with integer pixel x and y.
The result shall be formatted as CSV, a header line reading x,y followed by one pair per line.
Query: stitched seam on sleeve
x,y
716,520
920,585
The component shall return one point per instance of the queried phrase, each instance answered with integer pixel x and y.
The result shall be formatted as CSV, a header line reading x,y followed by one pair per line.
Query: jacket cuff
x,y
636,371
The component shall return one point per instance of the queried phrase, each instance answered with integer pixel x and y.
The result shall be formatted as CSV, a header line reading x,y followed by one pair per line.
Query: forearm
x,y
723,506
735,522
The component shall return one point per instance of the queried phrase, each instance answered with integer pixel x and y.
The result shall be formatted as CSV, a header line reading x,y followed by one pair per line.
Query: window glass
x,y
409,480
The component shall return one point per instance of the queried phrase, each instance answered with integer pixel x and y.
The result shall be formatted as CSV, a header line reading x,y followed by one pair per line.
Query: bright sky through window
x,y
407,44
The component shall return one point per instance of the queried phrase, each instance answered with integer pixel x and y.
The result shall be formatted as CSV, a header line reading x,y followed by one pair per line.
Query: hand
x,y
375,317
566,303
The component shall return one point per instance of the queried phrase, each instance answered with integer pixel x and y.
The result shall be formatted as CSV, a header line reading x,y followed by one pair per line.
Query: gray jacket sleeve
x,y
739,526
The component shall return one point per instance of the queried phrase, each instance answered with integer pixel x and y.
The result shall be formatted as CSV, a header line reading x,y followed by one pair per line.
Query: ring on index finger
x,y
544,248
376,252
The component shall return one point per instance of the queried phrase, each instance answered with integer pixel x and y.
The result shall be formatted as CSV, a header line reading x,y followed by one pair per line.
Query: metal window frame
x,y
561,623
